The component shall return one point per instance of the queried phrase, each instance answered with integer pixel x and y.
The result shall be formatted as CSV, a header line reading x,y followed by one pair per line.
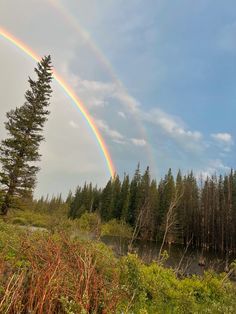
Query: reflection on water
x,y
149,251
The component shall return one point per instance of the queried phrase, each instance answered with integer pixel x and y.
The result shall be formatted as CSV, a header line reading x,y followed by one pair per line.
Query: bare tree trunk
x,y
138,225
183,255
170,220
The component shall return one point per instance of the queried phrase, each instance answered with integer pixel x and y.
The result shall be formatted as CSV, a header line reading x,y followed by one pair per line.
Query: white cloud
x,y
171,125
113,134
223,137
174,128
116,136
138,141
131,103
215,166
224,140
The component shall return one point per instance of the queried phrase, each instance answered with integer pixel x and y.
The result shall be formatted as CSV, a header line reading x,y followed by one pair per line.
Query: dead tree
x,y
138,224
170,220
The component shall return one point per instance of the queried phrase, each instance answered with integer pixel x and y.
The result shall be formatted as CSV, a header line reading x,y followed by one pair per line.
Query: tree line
x,y
188,209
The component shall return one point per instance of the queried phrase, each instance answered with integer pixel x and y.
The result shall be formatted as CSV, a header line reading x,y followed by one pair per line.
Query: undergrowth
x,y
51,272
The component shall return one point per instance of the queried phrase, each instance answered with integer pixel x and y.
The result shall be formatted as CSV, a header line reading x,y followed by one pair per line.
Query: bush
x,y
47,273
30,218
116,228
155,289
19,221
89,222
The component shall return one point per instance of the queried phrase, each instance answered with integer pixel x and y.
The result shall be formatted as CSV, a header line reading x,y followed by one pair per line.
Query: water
x,y
148,251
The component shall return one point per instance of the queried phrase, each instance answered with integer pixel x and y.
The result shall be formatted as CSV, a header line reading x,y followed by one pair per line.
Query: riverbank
x,y
118,236
49,272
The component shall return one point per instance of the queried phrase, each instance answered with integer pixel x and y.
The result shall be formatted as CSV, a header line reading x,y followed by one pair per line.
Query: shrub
x,y
27,217
116,228
155,289
52,274
89,222
19,221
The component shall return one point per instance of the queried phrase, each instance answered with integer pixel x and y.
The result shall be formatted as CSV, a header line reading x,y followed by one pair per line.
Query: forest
x,y
196,210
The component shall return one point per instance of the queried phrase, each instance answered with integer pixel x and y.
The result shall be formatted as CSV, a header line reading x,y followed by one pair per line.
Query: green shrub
x,y
89,222
155,289
19,221
116,228
27,217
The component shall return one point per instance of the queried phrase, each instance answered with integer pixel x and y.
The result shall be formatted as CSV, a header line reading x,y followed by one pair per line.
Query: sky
x,y
157,77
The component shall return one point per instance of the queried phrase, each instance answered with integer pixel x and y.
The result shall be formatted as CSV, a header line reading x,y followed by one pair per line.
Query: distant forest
x,y
186,209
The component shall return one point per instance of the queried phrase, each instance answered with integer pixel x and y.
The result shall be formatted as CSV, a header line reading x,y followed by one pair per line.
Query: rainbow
x,y
22,46
71,20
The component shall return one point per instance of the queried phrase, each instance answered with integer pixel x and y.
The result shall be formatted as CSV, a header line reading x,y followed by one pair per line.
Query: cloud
x,y
173,127
97,94
224,140
138,141
113,134
131,103
215,166
223,137
117,137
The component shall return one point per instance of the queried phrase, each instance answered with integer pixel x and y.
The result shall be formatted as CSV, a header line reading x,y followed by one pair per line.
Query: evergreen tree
x,y
116,189
69,198
20,151
135,196
75,204
204,212
107,204
124,198
178,228
167,192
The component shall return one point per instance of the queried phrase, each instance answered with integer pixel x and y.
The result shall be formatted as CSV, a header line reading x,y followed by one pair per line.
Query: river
x,y
191,259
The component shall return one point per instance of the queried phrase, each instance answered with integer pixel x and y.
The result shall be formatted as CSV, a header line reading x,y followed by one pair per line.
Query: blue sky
x,y
158,77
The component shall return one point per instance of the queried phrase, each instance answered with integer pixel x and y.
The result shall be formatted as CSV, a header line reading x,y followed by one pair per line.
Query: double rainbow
x,y
22,46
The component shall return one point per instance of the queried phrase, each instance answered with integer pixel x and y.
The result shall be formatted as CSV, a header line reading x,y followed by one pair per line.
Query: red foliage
x,y
55,270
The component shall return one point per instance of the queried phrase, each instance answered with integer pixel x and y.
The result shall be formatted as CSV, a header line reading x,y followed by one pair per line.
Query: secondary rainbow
x,y
22,46
71,20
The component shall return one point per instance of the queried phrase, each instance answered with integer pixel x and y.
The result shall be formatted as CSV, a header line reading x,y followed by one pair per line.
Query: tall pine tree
x,y
20,151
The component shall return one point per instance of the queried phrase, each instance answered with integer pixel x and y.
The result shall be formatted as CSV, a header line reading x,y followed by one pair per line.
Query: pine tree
x,y
107,204
75,204
20,151
124,198
69,198
166,190
116,189
135,196
179,209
